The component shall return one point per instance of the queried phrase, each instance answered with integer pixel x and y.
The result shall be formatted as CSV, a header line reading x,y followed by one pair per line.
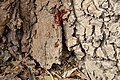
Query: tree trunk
x,y
82,33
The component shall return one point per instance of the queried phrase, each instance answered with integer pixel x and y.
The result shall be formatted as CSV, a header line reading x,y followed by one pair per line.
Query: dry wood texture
x,y
67,33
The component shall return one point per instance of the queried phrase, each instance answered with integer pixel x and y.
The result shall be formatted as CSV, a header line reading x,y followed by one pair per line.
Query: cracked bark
x,y
88,36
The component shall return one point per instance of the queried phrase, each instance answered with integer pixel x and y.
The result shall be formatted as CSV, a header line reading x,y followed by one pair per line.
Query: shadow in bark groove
x,y
66,54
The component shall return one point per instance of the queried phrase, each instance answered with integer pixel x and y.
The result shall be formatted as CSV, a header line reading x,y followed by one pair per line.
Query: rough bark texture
x,y
90,32
82,33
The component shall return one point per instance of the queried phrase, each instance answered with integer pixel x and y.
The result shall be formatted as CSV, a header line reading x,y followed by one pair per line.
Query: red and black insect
x,y
58,16
53,26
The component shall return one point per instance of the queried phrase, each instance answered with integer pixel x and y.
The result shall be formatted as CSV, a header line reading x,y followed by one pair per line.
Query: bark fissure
x,y
62,32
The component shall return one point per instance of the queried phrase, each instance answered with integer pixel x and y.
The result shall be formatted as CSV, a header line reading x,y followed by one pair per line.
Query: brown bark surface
x,y
64,38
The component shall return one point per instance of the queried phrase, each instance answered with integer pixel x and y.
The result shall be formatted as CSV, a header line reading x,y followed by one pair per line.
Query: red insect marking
x,y
53,26
59,16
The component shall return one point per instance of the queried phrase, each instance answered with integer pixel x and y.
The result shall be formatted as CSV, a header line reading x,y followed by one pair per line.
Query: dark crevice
x,y
66,54
94,53
72,59
89,76
117,17
74,46
74,34
93,30
1,0
56,67
37,65
85,35
19,34
6,30
5,33
64,46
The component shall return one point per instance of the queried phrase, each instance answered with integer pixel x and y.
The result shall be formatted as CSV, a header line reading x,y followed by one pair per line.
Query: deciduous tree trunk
x,y
82,33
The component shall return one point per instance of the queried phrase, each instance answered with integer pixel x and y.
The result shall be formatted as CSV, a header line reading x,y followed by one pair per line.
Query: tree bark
x,y
82,33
